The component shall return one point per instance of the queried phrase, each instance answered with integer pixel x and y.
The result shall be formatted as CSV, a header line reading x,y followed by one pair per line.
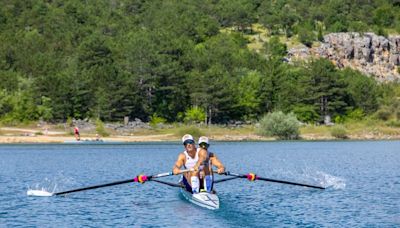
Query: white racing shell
x,y
202,199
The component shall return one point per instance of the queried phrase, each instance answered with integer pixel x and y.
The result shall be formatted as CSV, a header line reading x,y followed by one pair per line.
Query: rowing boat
x,y
203,199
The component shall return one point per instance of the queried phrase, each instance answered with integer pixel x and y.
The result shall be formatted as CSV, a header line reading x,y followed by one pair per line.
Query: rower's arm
x,y
178,164
215,161
202,157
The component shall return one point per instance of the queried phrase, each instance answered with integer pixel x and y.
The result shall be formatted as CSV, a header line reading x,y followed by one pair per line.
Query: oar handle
x,y
169,174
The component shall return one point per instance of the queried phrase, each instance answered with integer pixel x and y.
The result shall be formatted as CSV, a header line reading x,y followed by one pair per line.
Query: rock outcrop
x,y
371,54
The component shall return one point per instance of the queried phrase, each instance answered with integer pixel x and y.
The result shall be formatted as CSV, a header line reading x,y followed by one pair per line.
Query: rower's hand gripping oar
x,y
254,177
140,178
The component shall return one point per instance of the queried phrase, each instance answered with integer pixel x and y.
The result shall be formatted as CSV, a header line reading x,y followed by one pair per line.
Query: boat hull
x,y
202,199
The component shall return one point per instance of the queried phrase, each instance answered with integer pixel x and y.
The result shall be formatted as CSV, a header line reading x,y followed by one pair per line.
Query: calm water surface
x,y
362,180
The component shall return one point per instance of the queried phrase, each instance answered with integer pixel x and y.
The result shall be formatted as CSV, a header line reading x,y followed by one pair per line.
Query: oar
x,y
140,179
253,177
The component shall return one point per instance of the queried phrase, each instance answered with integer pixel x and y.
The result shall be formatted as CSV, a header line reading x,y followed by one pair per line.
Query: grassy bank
x,y
360,130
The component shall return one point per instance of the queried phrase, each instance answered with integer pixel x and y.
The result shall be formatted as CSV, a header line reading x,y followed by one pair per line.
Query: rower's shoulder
x,y
182,155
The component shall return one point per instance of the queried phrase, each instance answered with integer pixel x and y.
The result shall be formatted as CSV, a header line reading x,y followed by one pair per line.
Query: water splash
x,y
327,181
46,185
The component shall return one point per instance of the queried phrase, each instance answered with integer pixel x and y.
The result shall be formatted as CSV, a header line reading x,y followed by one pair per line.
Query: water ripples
x,y
363,187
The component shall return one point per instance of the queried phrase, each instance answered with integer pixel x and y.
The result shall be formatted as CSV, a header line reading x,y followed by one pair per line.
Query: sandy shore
x,y
63,139
142,138
19,135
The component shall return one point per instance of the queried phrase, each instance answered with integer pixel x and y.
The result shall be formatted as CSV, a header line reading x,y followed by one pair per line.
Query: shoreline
x,y
44,139
50,134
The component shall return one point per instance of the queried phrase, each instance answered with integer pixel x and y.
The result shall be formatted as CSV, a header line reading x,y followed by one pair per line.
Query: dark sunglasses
x,y
189,141
204,145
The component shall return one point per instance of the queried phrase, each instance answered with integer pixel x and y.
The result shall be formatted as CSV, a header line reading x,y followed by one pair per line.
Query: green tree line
x,y
167,58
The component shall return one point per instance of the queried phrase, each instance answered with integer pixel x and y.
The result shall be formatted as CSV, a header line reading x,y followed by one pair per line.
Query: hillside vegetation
x,y
185,60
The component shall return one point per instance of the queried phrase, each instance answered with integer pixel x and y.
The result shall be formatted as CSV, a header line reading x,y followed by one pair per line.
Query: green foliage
x,y
363,90
339,132
274,48
384,15
155,120
248,95
278,124
192,130
320,35
100,128
383,114
393,123
356,114
194,115
325,89
69,122
45,110
306,34
339,119
110,59
306,114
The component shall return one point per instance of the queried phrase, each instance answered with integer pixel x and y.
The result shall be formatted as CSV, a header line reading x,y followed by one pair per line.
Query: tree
x,y
363,90
239,13
326,89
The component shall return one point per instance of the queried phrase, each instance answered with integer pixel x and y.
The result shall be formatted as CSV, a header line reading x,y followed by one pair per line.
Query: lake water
x,y
362,180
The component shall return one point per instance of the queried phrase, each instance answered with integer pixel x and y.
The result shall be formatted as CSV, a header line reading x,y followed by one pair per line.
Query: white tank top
x,y
190,162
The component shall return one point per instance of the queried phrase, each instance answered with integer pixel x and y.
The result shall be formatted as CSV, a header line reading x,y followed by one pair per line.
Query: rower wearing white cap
x,y
188,159
197,159
207,159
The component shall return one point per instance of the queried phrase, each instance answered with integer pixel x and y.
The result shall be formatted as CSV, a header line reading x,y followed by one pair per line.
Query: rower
x,y
206,161
188,159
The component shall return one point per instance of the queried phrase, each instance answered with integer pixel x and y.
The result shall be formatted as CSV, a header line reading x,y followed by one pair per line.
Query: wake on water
x,y
311,176
330,181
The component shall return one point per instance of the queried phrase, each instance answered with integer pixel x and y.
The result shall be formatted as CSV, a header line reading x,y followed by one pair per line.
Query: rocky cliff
x,y
371,54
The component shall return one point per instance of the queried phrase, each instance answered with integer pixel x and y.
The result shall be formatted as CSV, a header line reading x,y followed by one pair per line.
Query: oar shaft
x,y
289,182
273,180
120,182
95,186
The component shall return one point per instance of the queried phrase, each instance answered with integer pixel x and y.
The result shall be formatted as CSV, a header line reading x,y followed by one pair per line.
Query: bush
x,y
339,132
356,114
393,123
306,114
155,120
278,124
383,114
100,129
195,115
69,122
192,130
306,36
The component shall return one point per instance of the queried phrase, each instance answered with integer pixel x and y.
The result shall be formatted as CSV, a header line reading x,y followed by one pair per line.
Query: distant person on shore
x,y
98,137
77,134
195,159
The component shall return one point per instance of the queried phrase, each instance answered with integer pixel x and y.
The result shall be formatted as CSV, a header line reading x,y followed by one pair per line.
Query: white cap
x,y
187,137
203,139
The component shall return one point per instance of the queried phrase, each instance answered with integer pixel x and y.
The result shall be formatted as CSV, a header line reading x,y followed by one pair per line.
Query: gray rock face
x,y
371,54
